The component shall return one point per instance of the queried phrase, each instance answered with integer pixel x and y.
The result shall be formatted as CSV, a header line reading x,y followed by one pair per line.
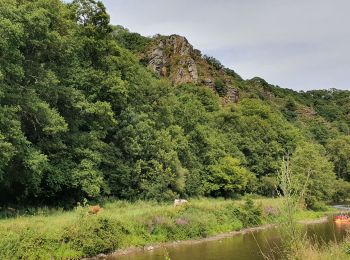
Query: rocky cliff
x,y
175,58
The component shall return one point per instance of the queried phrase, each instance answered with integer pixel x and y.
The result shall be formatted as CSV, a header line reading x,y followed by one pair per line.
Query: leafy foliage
x,y
220,87
228,177
339,151
309,163
214,62
82,118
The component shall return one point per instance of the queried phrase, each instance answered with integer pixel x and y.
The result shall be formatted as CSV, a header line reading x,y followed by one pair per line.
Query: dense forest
x,y
84,116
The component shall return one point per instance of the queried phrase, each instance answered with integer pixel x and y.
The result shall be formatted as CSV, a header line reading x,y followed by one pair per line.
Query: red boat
x,y
342,219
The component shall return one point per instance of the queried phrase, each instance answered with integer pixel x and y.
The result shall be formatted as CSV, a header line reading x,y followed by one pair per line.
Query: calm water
x,y
248,246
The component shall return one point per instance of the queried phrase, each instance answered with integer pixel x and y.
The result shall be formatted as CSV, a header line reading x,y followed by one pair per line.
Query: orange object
x,y
342,219
94,209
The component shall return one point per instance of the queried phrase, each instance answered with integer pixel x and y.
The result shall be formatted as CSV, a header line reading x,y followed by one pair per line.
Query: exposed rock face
x,y
233,95
157,60
209,83
173,57
187,72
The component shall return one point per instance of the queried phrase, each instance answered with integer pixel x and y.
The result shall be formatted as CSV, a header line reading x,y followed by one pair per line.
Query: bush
x,y
220,87
213,62
92,235
316,205
250,214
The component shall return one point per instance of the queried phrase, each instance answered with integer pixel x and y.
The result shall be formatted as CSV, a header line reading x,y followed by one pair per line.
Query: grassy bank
x,y
75,234
339,251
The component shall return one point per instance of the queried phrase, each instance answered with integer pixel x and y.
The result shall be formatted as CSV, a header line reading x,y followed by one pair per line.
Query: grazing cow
x,y
95,209
179,202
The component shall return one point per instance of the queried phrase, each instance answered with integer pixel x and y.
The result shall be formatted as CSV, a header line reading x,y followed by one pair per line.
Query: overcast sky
x,y
299,44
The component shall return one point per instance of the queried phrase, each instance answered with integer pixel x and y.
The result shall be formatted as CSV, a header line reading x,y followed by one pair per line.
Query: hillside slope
x,y
90,110
174,58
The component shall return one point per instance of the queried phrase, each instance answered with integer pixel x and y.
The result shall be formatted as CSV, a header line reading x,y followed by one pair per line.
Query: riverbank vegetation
x,y
295,242
335,250
121,224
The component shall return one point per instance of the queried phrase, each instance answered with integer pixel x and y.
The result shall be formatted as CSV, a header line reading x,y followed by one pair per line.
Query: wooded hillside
x,y
83,115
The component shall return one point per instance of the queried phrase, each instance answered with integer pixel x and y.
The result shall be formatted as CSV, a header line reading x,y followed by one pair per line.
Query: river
x,y
248,246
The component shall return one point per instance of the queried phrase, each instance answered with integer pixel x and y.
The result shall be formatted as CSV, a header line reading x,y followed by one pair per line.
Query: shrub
x,y
250,214
92,235
220,87
213,62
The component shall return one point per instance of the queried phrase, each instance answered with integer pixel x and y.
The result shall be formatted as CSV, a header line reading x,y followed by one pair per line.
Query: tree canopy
x,y
81,117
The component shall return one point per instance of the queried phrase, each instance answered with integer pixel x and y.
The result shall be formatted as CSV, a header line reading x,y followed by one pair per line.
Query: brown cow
x,y
95,209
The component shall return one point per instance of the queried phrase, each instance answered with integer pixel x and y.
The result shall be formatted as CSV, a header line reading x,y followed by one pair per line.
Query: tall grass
x,y
76,234
332,251
295,244
292,193
58,234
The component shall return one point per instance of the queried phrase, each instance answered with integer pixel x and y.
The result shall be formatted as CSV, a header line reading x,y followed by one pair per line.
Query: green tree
x,y
262,135
289,110
311,167
227,177
339,151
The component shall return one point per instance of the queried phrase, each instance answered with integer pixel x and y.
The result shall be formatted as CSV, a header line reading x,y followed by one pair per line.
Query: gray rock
x,y
233,95
157,60
209,83
192,69
185,69
101,256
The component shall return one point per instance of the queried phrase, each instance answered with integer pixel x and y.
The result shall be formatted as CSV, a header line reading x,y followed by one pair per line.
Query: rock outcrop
x,y
232,95
175,58
157,60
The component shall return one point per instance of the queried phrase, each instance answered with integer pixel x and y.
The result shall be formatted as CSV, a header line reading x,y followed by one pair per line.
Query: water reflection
x,y
249,246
